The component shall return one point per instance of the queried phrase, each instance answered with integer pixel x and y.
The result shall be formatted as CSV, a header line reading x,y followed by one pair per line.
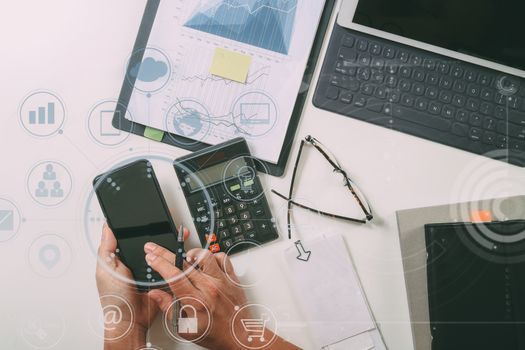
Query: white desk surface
x,y
79,49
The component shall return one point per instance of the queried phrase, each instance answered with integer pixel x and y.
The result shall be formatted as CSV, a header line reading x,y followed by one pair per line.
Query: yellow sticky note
x,y
231,65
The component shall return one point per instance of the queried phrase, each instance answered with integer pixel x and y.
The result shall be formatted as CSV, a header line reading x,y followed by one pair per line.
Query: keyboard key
x,y
460,129
418,75
457,72
403,56
362,45
223,234
462,116
513,101
429,63
367,89
248,226
484,79
215,248
345,67
251,236
378,63
363,73
227,244
432,79
378,77
500,99
501,141
348,41
229,210
486,108
242,206
238,239
446,82
418,118
489,123
375,105
391,81
448,112
473,90
459,100
421,104
346,97
364,59
236,230
499,112
405,85
391,67
443,67
346,53
487,94
221,224
516,145
416,60
431,92
418,89
375,49
407,100
470,75
475,119
472,104
394,96
489,138
259,211
360,101
475,134
381,92
245,215
435,107
459,86
405,71
233,220
516,131
445,96
502,127
389,52
332,93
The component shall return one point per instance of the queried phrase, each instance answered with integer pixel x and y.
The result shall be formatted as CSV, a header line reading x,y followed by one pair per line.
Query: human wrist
x,y
119,339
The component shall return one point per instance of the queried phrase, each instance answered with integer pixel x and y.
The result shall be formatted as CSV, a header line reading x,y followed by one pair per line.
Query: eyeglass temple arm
x,y
292,202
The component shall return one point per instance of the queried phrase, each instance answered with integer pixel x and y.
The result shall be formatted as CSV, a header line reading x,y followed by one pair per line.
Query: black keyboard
x,y
421,93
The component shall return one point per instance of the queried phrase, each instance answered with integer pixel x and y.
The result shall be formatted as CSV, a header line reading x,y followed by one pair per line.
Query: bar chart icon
x,y
43,115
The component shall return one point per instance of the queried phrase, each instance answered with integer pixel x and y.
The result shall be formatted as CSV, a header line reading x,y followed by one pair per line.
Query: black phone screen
x,y
136,211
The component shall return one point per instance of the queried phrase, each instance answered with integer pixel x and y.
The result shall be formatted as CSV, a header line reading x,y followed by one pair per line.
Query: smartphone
x,y
135,209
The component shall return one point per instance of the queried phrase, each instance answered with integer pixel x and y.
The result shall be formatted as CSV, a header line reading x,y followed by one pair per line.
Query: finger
x,y
186,234
206,261
226,265
108,242
163,300
160,251
180,284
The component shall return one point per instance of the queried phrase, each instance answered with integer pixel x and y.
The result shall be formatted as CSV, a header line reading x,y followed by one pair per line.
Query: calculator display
x,y
216,174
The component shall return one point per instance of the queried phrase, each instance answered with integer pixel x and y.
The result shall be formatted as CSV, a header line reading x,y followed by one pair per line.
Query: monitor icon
x,y
255,113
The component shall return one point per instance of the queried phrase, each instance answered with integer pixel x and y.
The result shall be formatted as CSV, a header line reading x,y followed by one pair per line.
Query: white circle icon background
x,y
42,330
49,183
42,114
50,256
100,123
250,324
110,318
9,220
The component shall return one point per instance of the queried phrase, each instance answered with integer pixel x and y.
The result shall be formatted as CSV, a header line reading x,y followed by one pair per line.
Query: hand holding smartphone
x,y
135,209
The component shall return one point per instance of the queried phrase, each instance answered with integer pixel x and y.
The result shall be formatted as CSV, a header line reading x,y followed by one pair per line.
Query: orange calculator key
x,y
211,238
215,248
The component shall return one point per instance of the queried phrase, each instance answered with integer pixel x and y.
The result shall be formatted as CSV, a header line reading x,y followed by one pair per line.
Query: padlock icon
x,y
188,325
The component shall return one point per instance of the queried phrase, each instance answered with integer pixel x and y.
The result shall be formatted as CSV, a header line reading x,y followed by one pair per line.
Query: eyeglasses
x,y
348,183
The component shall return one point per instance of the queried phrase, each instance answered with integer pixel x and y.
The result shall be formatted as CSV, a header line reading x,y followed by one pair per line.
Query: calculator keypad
x,y
236,220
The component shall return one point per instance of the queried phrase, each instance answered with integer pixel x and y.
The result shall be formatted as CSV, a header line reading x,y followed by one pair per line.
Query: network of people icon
x,y
49,186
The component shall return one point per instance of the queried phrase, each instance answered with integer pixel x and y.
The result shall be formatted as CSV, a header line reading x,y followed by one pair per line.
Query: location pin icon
x,y
49,255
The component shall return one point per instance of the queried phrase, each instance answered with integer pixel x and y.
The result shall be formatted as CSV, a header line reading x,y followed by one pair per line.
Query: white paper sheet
x,y
329,291
175,91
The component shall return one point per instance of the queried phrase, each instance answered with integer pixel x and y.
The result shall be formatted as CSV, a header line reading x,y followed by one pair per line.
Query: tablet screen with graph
x,y
213,70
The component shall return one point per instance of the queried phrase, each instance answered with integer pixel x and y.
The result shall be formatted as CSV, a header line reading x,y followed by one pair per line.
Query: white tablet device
x,y
484,32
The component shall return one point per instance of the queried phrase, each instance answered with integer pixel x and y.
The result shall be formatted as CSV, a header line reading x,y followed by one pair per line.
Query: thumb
x,y
163,300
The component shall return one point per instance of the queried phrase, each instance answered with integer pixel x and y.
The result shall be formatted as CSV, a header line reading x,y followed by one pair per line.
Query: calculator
x,y
225,197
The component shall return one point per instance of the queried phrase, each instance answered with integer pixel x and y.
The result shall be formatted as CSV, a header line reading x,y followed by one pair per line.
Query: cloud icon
x,y
149,70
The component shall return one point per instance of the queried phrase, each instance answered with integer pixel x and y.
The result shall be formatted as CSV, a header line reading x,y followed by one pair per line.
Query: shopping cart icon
x,y
255,327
